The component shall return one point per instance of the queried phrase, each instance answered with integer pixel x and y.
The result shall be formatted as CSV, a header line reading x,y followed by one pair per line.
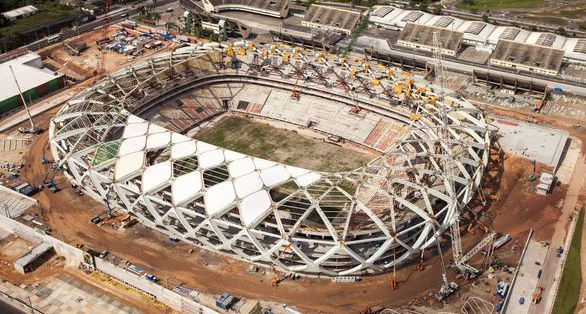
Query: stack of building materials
x,y
546,181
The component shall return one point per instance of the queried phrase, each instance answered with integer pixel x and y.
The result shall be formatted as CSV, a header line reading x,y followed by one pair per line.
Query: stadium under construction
x,y
432,151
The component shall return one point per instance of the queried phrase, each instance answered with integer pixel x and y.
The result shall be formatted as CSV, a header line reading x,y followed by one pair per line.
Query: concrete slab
x,y
544,144
527,278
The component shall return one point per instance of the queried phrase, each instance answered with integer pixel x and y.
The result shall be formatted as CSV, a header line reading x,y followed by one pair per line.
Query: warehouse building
x,y
484,36
331,18
34,258
34,78
575,50
21,12
274,8
526,57
420,37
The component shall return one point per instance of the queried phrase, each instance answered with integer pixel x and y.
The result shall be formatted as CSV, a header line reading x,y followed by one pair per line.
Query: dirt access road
x,y
68,215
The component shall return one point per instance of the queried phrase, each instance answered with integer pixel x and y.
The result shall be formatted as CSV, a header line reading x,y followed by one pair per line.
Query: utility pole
x,y
30,118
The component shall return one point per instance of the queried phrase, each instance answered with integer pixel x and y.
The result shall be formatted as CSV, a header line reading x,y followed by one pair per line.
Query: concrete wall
x,y
74,256
168,297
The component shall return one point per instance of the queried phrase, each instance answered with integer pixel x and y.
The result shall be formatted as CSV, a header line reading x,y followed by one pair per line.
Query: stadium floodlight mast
x,y
33,129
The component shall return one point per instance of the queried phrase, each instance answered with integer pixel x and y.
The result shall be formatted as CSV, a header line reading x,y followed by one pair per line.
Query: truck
x,y
224,301
501,289
151,277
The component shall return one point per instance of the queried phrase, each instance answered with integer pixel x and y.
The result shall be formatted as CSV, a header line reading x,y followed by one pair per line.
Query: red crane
x,y
102,59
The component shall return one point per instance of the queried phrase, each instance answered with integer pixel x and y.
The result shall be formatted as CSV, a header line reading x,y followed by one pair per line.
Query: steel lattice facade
x,y
363,221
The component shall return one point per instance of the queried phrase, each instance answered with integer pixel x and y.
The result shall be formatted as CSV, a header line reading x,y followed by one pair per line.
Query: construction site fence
x,y
74,256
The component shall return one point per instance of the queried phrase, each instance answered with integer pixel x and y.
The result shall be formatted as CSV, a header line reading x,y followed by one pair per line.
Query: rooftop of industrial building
x,y
29,72
27,9
527,54
423,34
338,17
478,32
273,5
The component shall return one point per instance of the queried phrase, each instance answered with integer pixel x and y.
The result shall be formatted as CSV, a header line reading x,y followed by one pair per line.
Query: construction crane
x,y
33,128
100,71
460,260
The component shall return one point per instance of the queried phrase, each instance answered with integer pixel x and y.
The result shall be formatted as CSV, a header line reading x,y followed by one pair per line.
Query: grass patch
x,y
499,4
569,291
548,20
284,146
106,152
582,25
573,14
49,12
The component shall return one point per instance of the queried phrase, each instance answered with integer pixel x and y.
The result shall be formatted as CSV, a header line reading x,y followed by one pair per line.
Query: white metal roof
x,y
241,167
488,35
29,72
156,176
135,129
211,158
254,207
158,140
247,184
183,149
546,40
128,166
274,175
219,197
131,145
27,9
186,187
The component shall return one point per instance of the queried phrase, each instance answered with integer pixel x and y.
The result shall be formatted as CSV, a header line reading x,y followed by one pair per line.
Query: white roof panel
x,y
308,179
263,163
153,128
241,167
135,129
131,145
158,140
178,138
186,187
156,176
274,175
204,147
134,119
219,197
232,155
247,184
183,149
128,166
295,171
29,71
254,207
211,158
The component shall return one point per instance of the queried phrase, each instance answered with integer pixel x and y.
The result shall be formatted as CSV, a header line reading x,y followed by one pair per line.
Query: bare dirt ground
x,y
262,140
68,215
84,66
12,248
514,209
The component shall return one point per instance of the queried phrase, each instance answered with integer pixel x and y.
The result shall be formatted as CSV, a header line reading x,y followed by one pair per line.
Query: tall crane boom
x,y
102,59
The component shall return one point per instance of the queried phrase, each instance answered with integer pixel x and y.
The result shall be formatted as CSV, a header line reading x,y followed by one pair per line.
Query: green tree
x,y
424,6
437,9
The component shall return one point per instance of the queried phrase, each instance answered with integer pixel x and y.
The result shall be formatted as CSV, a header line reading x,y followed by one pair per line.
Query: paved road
x,y
99,22
36,109
8,309
552,267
